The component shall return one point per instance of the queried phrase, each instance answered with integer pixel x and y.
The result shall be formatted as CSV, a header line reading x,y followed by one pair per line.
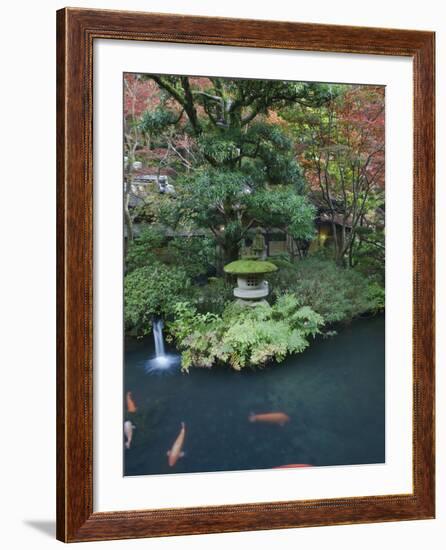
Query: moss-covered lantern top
x,y
250,267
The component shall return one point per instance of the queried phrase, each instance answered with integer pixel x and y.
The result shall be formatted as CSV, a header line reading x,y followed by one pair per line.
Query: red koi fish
x,y
292,466
131,407
176,451
270,418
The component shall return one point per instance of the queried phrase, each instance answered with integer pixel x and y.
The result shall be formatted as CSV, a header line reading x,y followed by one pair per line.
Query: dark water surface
x,y
333,393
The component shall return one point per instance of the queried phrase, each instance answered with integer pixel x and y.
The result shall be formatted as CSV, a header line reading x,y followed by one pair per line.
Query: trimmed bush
x,y
336,293
151,291
214,296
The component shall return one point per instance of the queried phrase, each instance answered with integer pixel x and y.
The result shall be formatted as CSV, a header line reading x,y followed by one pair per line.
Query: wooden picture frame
x,y
77,29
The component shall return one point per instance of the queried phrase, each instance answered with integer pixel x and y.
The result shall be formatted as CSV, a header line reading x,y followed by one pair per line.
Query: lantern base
x,y
251,289
251,303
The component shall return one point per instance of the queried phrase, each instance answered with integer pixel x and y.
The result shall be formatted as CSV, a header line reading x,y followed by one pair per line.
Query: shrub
x,y
142,251
195,255
376,295
281,261
243,336
214,296
150,291
336,293
369,254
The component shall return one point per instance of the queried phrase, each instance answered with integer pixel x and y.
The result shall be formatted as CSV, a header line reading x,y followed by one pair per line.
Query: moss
x,y
249,267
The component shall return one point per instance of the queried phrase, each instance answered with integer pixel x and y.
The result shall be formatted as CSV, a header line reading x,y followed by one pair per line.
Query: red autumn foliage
x,y
139,95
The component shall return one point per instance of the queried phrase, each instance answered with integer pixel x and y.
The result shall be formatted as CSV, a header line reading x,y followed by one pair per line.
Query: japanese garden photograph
x,y
254,274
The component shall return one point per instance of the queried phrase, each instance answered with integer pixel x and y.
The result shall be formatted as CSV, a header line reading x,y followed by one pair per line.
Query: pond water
x,y
333,394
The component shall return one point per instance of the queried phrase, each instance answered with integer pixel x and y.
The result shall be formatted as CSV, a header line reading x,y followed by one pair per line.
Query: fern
x,y
241,336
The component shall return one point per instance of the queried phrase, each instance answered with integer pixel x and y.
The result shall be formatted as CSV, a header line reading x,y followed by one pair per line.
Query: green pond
x,y
333,394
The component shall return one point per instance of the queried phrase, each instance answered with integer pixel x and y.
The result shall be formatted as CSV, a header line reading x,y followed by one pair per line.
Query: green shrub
x,y
281,262
243,336
214,296
142,251
195,255
154,122
152,290
336,293
376,296
369,254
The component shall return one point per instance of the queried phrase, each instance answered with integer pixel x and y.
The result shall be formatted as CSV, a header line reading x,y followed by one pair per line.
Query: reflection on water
x,y
333,394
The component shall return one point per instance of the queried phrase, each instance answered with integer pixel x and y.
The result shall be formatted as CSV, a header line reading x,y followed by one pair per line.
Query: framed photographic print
x,y
245,275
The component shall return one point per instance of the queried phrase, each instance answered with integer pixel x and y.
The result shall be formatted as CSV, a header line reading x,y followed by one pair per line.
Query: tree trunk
x,y
334,230
128,221
342,248
265,254
350,250
230,253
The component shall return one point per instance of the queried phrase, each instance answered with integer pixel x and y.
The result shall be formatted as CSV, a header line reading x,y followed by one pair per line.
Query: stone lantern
x,y
251,288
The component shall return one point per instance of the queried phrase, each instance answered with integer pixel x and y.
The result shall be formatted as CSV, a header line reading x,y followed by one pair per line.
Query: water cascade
x,y
162,361
158,338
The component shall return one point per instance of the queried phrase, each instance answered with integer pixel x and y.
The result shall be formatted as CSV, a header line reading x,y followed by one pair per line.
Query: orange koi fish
x,y
292,466
270,418
131,407
176,451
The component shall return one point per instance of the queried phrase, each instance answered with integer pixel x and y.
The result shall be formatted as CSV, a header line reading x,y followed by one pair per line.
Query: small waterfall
x,y
158,338
162,362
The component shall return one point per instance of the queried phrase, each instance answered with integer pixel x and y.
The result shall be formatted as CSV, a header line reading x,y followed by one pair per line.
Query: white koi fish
x,y
176,451
128,432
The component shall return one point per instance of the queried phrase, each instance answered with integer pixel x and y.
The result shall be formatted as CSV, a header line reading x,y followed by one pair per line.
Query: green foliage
x,y
243,336
282,261
376,296
142,250
212,196
218,148
283,207
156,121
336,293
272,152
237,149
214,199
228,202
195,255
369,253
240,267
214,296
152,290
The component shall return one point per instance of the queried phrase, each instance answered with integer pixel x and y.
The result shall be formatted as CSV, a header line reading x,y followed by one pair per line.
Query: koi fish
x,y
128,432
176,451
271,418
131,407
292,466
